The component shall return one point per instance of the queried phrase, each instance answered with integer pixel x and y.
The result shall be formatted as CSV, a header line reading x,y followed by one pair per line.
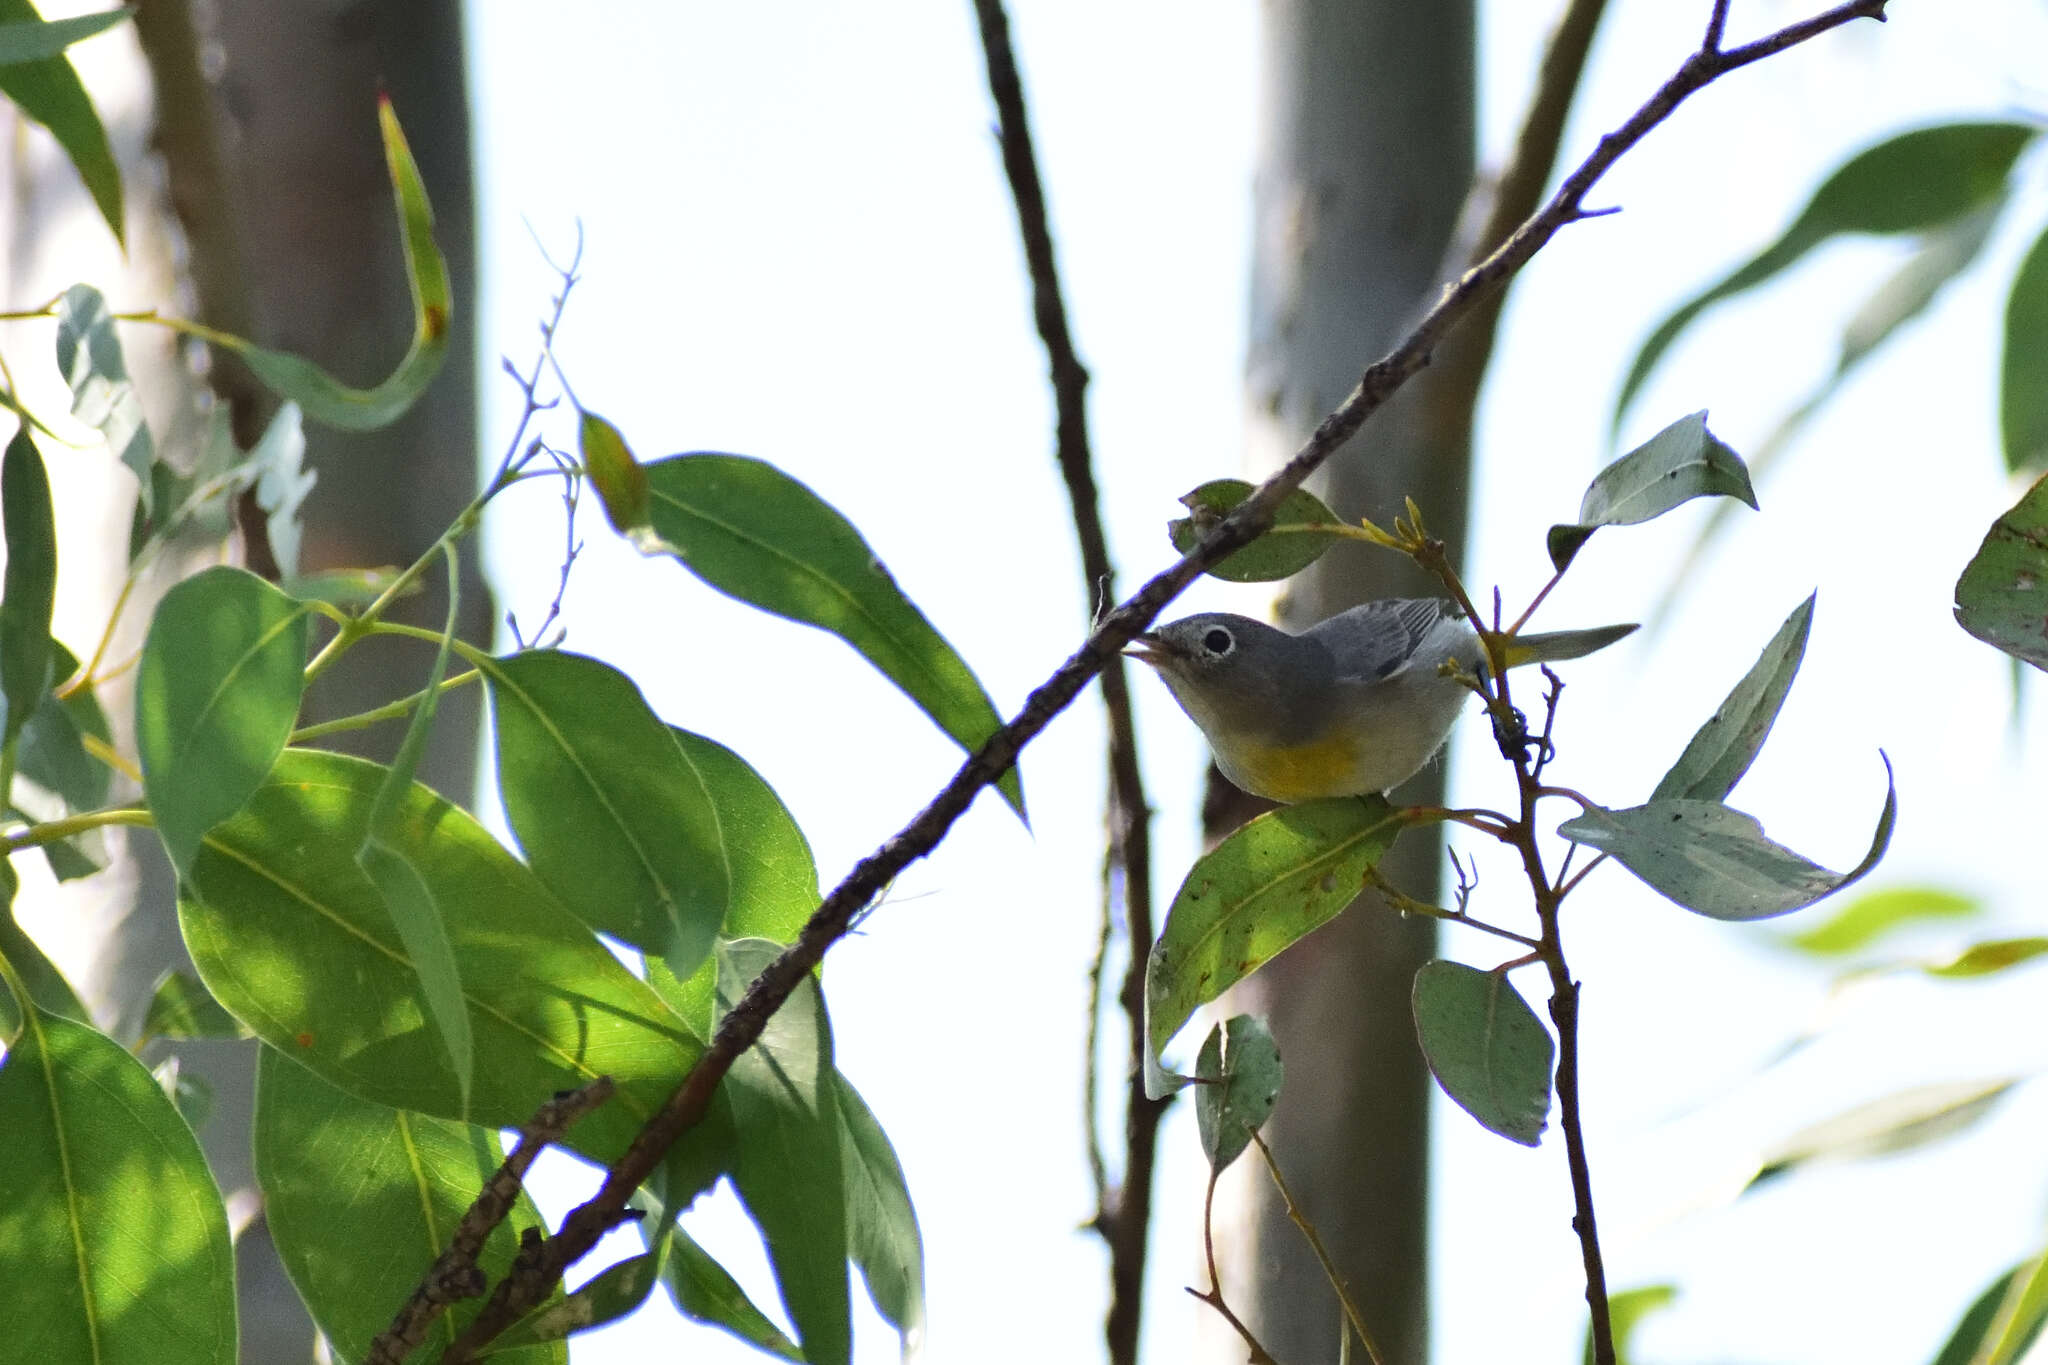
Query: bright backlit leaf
x,y
787,1163
113,1237
704,1291
1269,885
291,936
612,815
360,1198
223,670
881,1225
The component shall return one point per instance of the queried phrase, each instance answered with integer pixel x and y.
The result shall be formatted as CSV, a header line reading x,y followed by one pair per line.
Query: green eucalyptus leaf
x,y
113,1236
1874,914
787,1166
620,482
1270,884
704,1291
1715,861
293,938
881,1224
1239,1067
1970,1343
407,897
751,531
620,1288
360,1199
49,91
180,1008
326,399
38,39
1486,1047
1913,182
2002,596
1899,1122
613,817
1290,545
52,747
1682,462
775,880
1722,749
29,591
102,395
222,674
2023,381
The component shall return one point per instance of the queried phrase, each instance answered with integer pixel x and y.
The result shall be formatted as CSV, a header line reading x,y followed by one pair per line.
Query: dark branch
x,y
742,1025
455,1275
1123,1218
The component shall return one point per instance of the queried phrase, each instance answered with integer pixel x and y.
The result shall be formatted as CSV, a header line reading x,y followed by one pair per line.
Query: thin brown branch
x,y
1214,1296
1315,1241
455,1275
1123,1215
742,1025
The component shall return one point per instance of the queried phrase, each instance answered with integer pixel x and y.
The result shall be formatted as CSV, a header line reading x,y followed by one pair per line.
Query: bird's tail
x,y
1558,645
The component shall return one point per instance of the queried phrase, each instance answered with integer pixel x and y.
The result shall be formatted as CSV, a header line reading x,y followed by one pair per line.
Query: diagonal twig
x,y
455,1275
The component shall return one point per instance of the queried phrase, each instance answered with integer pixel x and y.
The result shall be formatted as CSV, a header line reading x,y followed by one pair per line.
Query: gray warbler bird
x,y
1353,705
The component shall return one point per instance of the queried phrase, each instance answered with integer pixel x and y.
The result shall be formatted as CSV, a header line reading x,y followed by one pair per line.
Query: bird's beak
x,y
1148,649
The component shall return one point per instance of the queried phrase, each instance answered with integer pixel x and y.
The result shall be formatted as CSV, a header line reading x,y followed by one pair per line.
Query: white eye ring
x,y
1218,642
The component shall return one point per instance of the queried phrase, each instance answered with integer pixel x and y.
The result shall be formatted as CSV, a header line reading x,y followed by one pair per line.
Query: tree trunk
x,y
1364,160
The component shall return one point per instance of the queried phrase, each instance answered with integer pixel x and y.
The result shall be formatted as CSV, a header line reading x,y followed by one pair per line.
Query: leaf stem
x,y
389,711
50,831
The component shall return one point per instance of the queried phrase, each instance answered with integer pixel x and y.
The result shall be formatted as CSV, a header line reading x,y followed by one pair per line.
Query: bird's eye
x,y
1218,642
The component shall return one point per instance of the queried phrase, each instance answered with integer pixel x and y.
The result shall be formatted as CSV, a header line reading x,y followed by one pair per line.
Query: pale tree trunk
x,y
1365,157
266,130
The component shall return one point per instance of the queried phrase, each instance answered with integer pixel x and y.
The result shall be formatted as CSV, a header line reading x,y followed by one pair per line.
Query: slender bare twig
x,y
455,1275
1315,1241
1123,1213
742,1025
1258,1355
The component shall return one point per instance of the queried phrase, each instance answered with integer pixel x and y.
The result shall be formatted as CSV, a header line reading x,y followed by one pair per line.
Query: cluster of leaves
x,y
1946,188
415,986
1286,873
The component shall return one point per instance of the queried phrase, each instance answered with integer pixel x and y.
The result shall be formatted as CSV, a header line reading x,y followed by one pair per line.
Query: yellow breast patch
x,y
1303,772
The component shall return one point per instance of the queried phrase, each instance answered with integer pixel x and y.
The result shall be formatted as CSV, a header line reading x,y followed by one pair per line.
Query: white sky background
x,y
800,247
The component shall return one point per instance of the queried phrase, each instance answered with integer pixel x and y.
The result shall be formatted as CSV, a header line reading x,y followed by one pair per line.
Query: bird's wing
x,y
1371,642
